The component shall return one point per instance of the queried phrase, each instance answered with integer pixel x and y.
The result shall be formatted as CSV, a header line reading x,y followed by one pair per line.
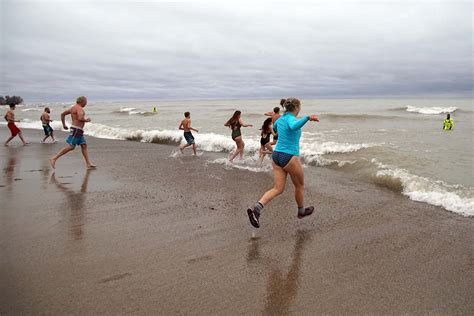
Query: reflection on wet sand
x,y
281,289
44,173
9,168
253,251
76,205
45,166
10,171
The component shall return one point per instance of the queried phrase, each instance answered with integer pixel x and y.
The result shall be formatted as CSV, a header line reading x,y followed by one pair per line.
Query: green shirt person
x,y
448,123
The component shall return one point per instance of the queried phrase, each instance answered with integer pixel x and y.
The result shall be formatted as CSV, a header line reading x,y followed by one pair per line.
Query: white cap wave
x,y
431,110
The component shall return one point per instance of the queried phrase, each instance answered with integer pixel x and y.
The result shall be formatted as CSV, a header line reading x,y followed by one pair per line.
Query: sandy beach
x,y
147,233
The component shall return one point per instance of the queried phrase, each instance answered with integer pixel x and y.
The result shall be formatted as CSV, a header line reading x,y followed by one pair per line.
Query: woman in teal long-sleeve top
x,y
286,161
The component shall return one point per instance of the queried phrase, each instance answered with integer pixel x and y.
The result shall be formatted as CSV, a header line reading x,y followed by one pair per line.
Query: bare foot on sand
x,y
91,166
53,163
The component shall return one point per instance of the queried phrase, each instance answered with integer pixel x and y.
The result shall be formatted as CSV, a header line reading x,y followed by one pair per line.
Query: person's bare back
x,y
275,117
10,116
186,124
45,118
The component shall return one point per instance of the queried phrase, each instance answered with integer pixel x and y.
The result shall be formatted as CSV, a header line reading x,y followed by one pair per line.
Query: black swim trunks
x,y
189,137
48,130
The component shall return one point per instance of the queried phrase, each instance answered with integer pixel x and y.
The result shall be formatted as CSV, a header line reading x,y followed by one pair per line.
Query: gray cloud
x,y
165,50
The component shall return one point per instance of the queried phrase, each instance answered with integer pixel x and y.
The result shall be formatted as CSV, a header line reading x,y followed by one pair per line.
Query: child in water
x,y
275,115
186,127
235,123
265,145
10,118
48,130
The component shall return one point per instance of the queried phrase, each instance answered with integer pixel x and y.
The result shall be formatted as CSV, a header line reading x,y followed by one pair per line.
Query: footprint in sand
x,y
203,258
115,277
39,170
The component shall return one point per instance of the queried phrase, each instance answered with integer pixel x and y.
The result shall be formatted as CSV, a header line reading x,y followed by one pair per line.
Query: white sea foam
x,y
27,123
127,109
31,109
131,111
431,110
210,142
454,198
248,163
326,162
321,148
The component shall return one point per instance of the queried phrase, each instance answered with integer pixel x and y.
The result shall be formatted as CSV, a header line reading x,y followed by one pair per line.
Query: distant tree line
x,y
10,99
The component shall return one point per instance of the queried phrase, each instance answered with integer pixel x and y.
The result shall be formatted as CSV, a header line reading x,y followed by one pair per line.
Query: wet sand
x,y
149,234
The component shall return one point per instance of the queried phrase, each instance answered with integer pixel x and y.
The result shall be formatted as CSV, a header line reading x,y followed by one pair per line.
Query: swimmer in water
x,y
448,123
275,115
265,145
235,123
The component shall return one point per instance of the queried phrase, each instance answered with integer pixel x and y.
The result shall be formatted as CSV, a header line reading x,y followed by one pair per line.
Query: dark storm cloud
x,y
117,50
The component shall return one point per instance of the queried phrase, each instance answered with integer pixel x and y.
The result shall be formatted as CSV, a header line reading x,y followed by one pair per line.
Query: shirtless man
x,y
186,127
48,130
76,137
14,130
275,115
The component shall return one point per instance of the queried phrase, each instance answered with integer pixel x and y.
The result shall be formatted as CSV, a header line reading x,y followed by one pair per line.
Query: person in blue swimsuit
x,y
286,161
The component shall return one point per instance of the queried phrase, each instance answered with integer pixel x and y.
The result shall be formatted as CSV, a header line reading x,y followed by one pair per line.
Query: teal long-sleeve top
x,y
288,128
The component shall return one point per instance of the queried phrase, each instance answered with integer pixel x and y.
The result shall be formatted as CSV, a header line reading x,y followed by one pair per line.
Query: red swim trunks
x,y
13,129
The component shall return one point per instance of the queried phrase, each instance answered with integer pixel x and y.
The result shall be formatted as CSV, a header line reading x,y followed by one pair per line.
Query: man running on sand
x,y
186,127
48,130
14,130
76,137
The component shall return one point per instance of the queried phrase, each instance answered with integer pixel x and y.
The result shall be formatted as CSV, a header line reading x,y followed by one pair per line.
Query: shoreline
x,y
149,233
450,196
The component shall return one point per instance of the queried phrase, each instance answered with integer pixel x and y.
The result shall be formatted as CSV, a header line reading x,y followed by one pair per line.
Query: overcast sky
x,y
113,50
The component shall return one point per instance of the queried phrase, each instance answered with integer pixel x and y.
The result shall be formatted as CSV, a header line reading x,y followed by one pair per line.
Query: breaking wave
x,y
31,109
322,148
249,164
134,111
431,110
454,198
356,116
211,142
